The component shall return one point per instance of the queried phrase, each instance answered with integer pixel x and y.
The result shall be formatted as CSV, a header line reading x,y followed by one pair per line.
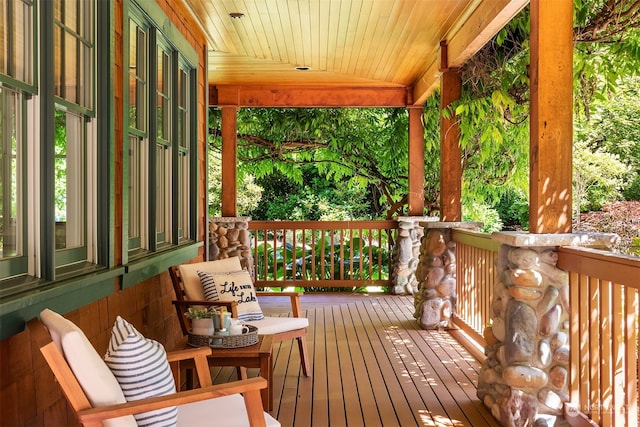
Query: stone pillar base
x,y
524,380
406,253
229,237
435,299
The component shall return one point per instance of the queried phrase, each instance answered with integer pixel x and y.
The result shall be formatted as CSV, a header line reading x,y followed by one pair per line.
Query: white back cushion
x,y
94,376
191,281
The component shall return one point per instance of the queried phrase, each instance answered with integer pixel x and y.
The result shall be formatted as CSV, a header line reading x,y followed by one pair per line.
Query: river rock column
x,y
524,380
406,253
229,237
435,299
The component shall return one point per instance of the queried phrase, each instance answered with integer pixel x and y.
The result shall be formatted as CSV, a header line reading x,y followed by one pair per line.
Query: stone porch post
x,y
435,299
229,237
524,380
406,253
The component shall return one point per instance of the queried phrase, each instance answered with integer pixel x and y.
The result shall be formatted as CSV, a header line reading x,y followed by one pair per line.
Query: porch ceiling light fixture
x,y
236,15
303,68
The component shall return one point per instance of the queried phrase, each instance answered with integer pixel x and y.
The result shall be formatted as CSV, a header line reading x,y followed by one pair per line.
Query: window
x,y
70,161
44,208
159,164
183,136
138,160
17,52
73,87
73,51
16,40
164,137
12,213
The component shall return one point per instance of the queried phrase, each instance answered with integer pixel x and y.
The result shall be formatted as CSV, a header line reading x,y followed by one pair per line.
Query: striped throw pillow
x,y
234,286
140,365
208,286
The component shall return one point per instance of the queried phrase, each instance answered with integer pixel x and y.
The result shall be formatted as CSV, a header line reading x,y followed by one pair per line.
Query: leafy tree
x,y
365,149
249,192
614,128
597,177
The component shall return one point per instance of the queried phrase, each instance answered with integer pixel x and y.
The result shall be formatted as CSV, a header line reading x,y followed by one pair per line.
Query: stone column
x,y
229,237
435,299
406,252
524,380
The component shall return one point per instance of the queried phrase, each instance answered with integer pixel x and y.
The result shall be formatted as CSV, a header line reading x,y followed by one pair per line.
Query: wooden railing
x,y
603,335
322,253
475,271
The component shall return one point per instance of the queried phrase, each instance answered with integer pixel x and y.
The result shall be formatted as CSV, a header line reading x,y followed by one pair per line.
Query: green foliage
x,y
635,246
315,199
597,177
360,149
513,209
613,128
478,212
249,192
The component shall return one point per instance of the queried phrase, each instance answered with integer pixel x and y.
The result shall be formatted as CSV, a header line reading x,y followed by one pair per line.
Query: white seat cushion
x,y
95,378
275,325
228,411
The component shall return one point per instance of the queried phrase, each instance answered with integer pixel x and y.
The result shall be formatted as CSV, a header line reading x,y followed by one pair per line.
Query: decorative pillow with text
x,y
235,286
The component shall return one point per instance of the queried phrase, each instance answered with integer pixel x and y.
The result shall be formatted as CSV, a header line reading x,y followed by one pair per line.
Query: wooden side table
x,y
254,356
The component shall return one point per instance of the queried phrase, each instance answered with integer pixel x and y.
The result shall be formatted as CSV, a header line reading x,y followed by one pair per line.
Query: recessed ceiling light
x,y
236,15
302,68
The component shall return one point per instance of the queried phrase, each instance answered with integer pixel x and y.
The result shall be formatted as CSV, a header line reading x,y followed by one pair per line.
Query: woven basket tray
x,y
226,341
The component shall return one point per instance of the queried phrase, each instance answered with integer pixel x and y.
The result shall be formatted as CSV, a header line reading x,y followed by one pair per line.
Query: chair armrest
x,y
199,356
250,388
296,307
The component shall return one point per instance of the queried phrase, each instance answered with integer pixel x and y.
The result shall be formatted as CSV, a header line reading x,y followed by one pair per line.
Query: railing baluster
x,y
294,260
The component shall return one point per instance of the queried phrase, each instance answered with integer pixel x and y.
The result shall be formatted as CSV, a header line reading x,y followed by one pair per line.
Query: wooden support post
x,y
229,160
416,162
450,153
551,134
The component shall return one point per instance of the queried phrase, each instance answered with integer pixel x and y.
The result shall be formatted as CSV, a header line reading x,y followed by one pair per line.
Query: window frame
x,y
165,228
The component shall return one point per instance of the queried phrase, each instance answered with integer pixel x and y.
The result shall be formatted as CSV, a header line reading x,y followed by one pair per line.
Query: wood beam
x,y
427,83
229,161
416,162
466,39
450,152
551,129
304,96
490,17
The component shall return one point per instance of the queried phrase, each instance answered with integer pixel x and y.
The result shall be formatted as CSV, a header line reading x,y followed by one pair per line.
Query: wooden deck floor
x,y
372,366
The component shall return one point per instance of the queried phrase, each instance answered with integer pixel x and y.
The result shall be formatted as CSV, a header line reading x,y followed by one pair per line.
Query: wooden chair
x,y
85,382
189,292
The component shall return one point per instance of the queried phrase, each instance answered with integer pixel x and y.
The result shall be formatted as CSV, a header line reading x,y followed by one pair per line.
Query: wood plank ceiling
x,y
344,43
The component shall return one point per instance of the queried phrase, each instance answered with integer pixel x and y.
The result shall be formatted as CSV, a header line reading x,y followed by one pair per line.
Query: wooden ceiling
x,y
360,44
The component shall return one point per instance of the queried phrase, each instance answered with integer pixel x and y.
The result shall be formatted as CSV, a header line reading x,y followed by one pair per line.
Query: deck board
x,y
371,366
